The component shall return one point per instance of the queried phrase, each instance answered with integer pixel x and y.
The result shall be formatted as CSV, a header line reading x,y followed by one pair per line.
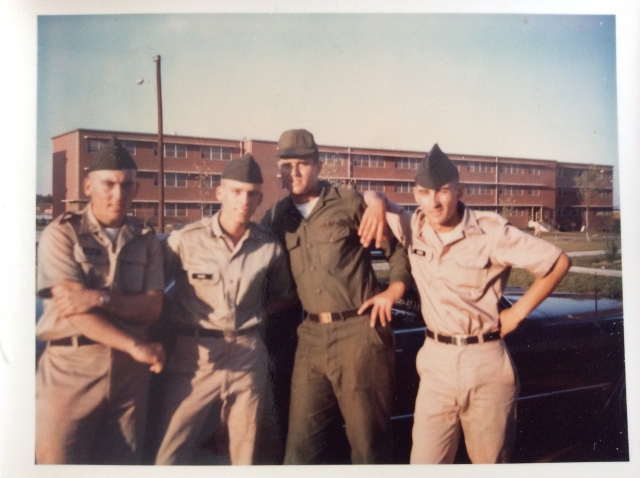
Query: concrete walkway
x,y
585,253
596,272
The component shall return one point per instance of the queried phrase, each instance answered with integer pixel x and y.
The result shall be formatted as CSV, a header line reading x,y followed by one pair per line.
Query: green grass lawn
x,y
597,262
572,242
573,282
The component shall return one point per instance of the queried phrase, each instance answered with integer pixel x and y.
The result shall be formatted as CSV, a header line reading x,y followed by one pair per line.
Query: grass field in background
x,y
573,282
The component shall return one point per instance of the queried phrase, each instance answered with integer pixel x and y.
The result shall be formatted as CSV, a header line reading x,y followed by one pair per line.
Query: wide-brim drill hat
x,y
436,170
296,143
244,169
113,156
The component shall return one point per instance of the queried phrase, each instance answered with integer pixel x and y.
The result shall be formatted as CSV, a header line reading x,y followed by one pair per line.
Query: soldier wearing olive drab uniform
x,y
344,360
461,260
101,274
226,269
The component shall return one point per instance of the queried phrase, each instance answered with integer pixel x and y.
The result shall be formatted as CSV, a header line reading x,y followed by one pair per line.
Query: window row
x,y
519,191
171,209
368,161
179,180
94,145
171,150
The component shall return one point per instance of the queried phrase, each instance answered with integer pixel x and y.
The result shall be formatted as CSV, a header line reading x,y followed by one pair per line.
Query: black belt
x,y
196,332
82,340
328,317
464,339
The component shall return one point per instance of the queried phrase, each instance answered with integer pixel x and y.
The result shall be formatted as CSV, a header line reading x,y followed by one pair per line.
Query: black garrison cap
x,y
436,170
297,143
112,156
244,169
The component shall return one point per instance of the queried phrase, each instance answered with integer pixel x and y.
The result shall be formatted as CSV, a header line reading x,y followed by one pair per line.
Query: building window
x,y
130,146
480,167
218,153
512,168
209,210
332,159
603,193
411,208
578,172
535,170
175,180
560,172
534,192
512,191
363,186
479,189
407,163
518,211
210,181
171,150
367,161
403,187
175,209
95,145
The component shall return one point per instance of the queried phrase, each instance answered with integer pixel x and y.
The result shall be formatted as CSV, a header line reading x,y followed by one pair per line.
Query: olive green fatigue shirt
x,y
461,276
221,286
76,247
330,267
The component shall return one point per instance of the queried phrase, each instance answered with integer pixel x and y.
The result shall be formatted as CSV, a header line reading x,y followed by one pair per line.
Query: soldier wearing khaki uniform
x,y
101,274
461,260
226,268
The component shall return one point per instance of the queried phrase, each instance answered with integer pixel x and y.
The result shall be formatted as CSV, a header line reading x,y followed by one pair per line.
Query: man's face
x,y
440,206
238,200
300,176
111,193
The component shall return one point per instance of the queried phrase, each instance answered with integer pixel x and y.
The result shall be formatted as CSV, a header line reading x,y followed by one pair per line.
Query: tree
x,y
587,184
508,206
330,172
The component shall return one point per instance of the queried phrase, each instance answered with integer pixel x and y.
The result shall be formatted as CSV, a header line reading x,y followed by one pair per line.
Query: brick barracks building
x,y
527,189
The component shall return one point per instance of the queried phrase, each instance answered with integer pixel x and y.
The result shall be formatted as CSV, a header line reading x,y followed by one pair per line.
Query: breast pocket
x,y
94,261
333,244
471,276
294,250
132,271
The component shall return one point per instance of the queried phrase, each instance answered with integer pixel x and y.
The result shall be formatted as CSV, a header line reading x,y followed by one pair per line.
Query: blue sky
x,y
533,86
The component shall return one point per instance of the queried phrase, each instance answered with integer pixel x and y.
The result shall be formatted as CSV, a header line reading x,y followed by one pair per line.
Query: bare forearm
x,y
99,329
542,287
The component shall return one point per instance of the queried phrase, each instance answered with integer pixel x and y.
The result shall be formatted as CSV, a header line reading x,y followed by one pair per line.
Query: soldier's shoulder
x,y
191,227
490,221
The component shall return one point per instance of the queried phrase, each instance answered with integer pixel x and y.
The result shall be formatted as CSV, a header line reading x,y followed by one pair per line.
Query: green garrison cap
x,y
297,143
244,169
436,170
112,156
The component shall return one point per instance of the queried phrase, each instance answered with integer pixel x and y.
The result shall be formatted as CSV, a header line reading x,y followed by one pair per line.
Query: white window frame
x,y
332,159
534,191
175,209
535,170
176,150
368,161
363,185
175,180
101,143
211,180
407,163
216,153
403,187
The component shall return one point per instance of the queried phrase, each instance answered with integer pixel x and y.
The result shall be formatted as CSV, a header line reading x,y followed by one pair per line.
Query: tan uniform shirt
x,y
221,286
461,280
76,247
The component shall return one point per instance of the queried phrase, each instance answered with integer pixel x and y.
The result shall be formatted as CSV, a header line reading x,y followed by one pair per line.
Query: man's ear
x,y
86,187
461,189
219,193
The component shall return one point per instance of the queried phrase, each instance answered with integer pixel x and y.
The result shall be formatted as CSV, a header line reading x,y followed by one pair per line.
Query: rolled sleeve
x,y
519,249
56,260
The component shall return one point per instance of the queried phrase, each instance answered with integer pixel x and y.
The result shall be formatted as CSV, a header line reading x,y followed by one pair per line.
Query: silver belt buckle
x,y
460,340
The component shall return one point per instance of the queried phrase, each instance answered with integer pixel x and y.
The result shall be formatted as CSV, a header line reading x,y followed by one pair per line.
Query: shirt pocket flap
x,y
90,254
291,241
333,234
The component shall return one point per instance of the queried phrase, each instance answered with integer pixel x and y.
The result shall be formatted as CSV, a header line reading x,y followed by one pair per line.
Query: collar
x,y
216,229
327,193
89,224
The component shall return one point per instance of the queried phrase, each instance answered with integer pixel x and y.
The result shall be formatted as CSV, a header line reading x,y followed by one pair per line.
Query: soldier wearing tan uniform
x,y
101,273
226,268
461,260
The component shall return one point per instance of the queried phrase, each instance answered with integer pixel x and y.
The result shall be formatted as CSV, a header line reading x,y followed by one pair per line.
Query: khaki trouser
x,y
204,373
473,386
342,367
90,406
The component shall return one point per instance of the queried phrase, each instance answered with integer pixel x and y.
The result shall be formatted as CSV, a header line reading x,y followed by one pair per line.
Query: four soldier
x,y
102,275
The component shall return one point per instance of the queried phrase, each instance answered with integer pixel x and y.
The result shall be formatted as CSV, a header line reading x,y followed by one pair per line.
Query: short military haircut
x,y
436,170
244,169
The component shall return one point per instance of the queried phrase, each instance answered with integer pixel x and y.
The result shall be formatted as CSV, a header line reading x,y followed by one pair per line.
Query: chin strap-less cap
x,y
436,170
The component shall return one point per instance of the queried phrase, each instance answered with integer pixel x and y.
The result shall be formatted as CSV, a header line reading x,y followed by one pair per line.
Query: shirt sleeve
x,y
517,248
399,222
154,273
56,260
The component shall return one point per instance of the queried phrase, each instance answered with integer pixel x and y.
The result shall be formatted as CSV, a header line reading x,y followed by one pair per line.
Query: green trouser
x,y
344,366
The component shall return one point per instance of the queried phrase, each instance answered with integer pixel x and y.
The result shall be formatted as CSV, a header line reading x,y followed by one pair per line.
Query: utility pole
x,y
156,59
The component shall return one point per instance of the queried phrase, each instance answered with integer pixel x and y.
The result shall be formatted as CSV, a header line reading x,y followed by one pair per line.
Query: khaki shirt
x,y
461,280
221,286
76,247
331,269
